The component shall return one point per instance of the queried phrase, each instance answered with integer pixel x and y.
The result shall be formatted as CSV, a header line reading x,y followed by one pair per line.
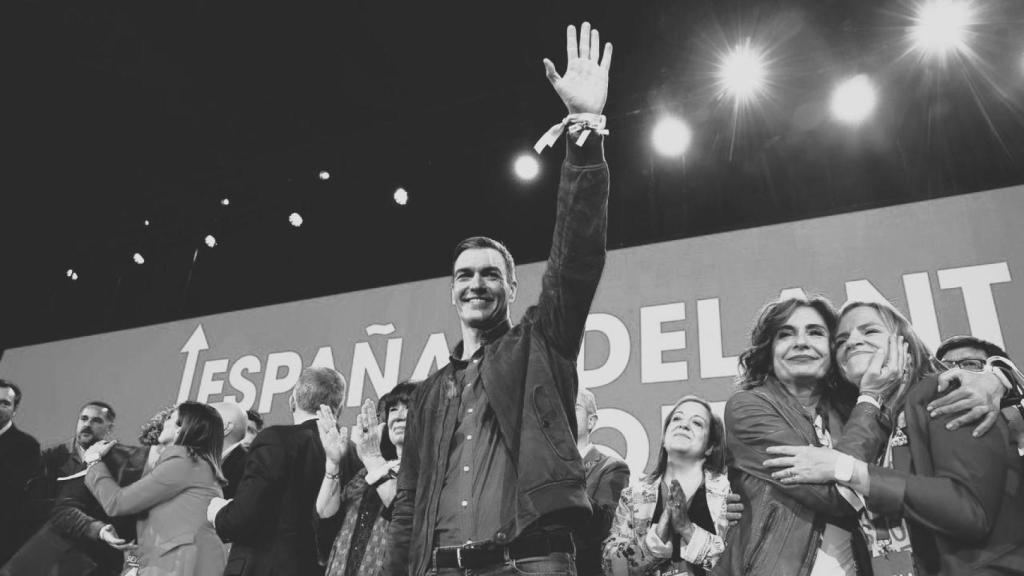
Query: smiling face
x,y
861,332
397,416
481,290
688,430
93,425
800,348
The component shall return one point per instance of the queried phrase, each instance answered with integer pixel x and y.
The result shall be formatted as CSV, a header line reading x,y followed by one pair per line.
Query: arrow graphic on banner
x,y
193,346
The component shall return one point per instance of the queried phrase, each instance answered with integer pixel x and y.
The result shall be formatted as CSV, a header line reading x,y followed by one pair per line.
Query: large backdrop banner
x,y
669,319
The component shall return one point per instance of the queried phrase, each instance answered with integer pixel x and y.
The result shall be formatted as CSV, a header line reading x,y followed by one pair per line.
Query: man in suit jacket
x,y
606,476
19,462
272,522
79,539
232,462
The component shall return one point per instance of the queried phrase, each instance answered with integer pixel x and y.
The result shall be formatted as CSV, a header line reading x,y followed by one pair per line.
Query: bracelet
x,y
843,471
870,399
579,125
330,476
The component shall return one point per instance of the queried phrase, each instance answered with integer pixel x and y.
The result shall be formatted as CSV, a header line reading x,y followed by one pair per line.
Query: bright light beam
x,y
671,137
853,100
941,27
401,197
526,167
742,72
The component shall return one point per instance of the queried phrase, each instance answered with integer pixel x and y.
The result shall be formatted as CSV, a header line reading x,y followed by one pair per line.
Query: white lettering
x,y
273,383
238,381
709,341
921,307
654,343
324,358
364,364
864,291
638,446
208,385
792,293
976,284
435,354
618,351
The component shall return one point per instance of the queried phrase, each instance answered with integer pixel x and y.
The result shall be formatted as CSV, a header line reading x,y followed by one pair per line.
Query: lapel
x,y
592,461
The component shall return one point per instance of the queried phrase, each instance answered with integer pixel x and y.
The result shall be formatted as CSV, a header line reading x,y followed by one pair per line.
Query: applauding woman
x,y
939,501
174,536
674,520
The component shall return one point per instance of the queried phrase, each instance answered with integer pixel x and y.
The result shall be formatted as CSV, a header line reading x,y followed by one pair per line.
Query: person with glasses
x,y
939,500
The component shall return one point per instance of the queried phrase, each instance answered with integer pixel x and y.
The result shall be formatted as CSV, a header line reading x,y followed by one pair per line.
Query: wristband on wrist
x,y
843,471
870,398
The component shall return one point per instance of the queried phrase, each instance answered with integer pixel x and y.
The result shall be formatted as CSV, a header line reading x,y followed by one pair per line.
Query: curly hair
x,y
757,362
149,433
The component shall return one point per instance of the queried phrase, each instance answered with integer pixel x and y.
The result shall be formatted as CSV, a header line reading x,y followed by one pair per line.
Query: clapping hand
x,y
334,439
366,433
584,86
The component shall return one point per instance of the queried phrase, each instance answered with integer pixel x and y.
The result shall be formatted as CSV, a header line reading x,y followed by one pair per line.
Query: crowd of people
x,y
848,449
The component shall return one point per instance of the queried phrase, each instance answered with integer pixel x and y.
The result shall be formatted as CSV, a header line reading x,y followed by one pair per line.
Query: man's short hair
x,y
480,242
586,397
955,342
111,415
17,391
319,385
253,415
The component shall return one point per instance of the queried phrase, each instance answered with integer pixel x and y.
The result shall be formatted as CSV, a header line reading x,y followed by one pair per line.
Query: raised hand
x,y
366,433
334,439
889,369
584,86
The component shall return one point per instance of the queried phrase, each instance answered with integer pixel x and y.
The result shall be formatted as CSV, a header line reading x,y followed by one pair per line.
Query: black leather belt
x,y
473,557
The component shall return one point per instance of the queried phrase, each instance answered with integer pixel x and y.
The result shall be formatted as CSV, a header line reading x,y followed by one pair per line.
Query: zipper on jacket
x,y
769,520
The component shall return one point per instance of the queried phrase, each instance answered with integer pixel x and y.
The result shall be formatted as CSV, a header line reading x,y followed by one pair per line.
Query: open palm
x,y
584,86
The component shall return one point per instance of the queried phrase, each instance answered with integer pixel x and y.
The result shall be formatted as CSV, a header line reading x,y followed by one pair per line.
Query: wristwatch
x,y
843,471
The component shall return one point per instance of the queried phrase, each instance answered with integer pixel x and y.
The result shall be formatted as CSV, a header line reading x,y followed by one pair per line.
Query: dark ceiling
x,y
123,111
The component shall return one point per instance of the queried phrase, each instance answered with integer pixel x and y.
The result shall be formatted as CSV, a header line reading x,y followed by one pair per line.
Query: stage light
x,y
145,223
671,137
69,273
941,26
526,167
325,175
210,240
225,201
741,74
74,276
401,197
295,219
138,258
853,100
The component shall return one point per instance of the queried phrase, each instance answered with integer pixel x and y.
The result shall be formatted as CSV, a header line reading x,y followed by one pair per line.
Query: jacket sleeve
x,y
604,499
752,425
168,479
265,466
865,433
397,556
625,551
962,496
68,516
577,254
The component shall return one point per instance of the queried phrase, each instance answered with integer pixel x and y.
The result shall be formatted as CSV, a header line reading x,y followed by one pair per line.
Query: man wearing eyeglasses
x,y
980,391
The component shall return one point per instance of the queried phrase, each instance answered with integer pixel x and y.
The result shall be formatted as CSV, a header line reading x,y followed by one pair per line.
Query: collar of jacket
x,y
488,336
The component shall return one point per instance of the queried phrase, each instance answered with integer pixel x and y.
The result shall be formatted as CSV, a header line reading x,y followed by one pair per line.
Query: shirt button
x,y
465,468
465,503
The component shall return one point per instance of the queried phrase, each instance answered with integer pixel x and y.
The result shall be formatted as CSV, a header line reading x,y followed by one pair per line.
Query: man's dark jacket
x,y
68,544
272,522
19,462
529,377
606,476
233,468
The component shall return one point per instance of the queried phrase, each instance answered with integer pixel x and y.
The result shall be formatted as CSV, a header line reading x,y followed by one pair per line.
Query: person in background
x,y
363,506
19,461
174,538
252,428
272,523
675,520
606,475
232,461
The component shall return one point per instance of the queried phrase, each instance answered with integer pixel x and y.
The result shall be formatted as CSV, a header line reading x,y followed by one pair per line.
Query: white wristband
x,y
869,399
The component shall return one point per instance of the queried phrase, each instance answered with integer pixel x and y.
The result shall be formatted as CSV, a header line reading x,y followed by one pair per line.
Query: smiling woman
x,y
791,395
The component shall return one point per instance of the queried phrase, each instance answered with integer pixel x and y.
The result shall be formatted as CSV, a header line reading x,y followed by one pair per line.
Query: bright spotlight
x,y
225,201
853,100
742,71
210,240
325,175
138,258
401,197
74,276
295,219
526,167
145,223
671,137
941,26
69,272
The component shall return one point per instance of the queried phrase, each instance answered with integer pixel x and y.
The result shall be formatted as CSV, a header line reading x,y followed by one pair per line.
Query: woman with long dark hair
x,y
674,520
939,501
790,395
174,537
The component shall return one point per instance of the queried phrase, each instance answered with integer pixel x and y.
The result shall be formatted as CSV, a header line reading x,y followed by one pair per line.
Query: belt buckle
x,y
458,557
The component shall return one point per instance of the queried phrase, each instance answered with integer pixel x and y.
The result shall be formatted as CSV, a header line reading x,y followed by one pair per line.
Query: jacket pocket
x,y
762,538
553,423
